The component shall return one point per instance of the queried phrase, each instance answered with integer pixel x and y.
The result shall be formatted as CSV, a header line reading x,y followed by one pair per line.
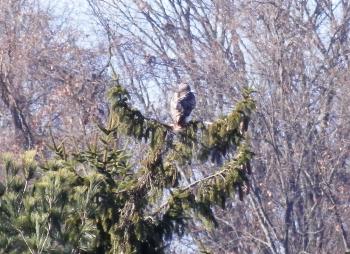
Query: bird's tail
x,y
181,121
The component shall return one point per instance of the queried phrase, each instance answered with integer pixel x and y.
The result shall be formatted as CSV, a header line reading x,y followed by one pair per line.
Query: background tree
x,y
47,77
294,54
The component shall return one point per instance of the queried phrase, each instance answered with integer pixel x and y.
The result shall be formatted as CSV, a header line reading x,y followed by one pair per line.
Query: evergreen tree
x,y
96,201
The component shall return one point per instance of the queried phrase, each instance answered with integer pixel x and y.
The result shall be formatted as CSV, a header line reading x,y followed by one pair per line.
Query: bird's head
x,y
184,87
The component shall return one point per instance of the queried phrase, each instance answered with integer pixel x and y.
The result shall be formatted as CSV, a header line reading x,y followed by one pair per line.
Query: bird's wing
x,y
187,103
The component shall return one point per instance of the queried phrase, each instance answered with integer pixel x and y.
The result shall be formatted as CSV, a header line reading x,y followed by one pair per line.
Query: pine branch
x,y
239,164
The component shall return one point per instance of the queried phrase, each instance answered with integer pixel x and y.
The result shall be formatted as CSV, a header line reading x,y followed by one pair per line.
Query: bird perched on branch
x,y
181,106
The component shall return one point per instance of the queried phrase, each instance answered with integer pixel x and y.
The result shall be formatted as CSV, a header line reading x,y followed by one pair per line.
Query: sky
x,y
79,14
79,10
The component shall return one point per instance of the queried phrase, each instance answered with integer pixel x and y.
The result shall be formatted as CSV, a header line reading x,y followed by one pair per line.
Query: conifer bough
x,y
96,201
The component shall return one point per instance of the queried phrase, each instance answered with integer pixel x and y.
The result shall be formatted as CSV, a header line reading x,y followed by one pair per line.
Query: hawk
x,y
181,106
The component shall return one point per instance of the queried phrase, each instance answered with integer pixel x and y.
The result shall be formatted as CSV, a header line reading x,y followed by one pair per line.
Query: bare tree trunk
x,y
19,120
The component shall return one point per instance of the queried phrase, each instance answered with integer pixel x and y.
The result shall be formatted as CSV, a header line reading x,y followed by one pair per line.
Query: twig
x,y
25,241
